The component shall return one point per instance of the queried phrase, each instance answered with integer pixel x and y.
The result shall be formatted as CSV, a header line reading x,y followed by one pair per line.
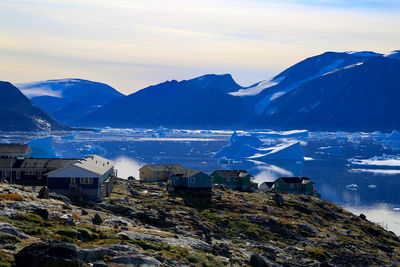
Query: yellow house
x,y
154,173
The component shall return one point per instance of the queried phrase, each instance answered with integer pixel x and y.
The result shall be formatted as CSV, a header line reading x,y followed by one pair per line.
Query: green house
x,y
235,179
296,185
195,181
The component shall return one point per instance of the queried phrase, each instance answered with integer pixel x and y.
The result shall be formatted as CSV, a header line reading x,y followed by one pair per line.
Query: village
x,y
93,177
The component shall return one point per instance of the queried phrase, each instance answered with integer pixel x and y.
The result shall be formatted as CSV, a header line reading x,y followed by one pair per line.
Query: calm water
x,y
376,193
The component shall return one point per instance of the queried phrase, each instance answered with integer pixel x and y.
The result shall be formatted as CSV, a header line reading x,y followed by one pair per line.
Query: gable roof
x,y
16,149
177,168
295,180
95,164
49,164
232,173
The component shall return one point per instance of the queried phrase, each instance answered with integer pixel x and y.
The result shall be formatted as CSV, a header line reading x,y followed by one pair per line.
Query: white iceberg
x,y
250,147
383,161
352,187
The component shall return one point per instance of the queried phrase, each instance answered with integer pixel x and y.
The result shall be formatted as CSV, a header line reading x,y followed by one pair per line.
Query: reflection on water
x,y
376,194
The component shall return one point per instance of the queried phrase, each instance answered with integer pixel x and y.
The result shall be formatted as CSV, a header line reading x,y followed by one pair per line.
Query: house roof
x,y
49,164
177,168
16,149
295,180
95,164
232,173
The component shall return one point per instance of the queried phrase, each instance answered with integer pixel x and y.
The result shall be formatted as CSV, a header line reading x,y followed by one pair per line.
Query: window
x,y
291,186
18,175
236,179
228,179
73,180
86,180
192,180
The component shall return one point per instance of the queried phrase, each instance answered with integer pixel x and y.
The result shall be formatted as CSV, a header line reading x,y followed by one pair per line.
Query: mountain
x,y
355,91
361,97
69,99
203,102
17,113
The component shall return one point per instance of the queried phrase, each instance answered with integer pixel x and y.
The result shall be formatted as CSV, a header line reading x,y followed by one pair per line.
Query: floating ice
x,y
396,209
87,150
372,186
352,187
331,150
250,147
384,160
42,148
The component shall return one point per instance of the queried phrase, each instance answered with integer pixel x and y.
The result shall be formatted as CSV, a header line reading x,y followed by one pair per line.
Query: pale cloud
x,y
133,44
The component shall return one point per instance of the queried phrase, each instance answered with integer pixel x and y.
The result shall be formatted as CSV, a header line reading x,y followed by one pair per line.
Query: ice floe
x,y
384,160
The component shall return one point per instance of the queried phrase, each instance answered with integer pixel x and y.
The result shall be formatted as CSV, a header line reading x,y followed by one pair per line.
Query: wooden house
x,y
156,173
235,179
193,180
296,185
91,178
32,172
14,151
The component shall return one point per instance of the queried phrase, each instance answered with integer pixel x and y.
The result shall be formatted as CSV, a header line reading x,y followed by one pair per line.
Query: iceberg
x,y
250,147
352,187
382,161
42,147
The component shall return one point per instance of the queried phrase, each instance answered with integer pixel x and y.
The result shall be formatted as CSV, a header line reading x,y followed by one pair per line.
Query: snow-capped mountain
x,y
331,91
17,113
202,102
359,97
69,99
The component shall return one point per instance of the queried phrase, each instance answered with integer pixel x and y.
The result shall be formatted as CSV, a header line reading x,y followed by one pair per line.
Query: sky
x,y
131,44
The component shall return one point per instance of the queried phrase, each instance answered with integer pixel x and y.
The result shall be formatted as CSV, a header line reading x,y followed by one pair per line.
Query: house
x,y
29,171
156,173
235,179
266,186
92,177
296,185
193,180
14,151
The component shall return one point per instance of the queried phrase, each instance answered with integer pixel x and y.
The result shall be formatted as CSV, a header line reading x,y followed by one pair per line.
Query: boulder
x,y
44,193
60,197
44,213
84,212
12,230
278,199
97,219
135,261
258,261
49,253
94,254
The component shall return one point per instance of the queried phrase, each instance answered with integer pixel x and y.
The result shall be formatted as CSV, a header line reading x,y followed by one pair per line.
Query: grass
x,y
318,253
13,197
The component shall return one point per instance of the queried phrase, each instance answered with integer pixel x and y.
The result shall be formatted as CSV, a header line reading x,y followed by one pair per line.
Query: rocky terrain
x,y
144,225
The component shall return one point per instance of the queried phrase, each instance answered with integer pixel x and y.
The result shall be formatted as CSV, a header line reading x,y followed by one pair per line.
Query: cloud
x,y
132,44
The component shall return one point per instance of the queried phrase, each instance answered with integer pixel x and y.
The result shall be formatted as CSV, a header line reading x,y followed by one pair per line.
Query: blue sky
x,y
131,44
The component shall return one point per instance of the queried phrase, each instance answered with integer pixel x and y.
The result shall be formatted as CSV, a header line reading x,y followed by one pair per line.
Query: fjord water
x,y
371,190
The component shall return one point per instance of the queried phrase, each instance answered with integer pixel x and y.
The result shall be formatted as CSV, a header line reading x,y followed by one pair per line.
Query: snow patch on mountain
x,y
262,105
36,89
258,87
394,54
364,53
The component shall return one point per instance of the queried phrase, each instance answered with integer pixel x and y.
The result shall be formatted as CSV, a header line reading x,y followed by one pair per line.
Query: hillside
x,y
17,113
142,224
69,99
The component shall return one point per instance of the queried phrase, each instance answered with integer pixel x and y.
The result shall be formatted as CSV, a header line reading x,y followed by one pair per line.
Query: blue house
x,y
191,181
91,178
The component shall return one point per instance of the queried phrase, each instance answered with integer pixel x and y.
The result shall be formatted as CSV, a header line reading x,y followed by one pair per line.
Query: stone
x,y
84,212
44,213
12,230
44,193
97,219
60,197
94,254
257,261
135,261
362,216
68,219
49,253
278,199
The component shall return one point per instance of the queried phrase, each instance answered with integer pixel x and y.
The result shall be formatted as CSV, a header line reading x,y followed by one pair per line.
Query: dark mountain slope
x,y
17,113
